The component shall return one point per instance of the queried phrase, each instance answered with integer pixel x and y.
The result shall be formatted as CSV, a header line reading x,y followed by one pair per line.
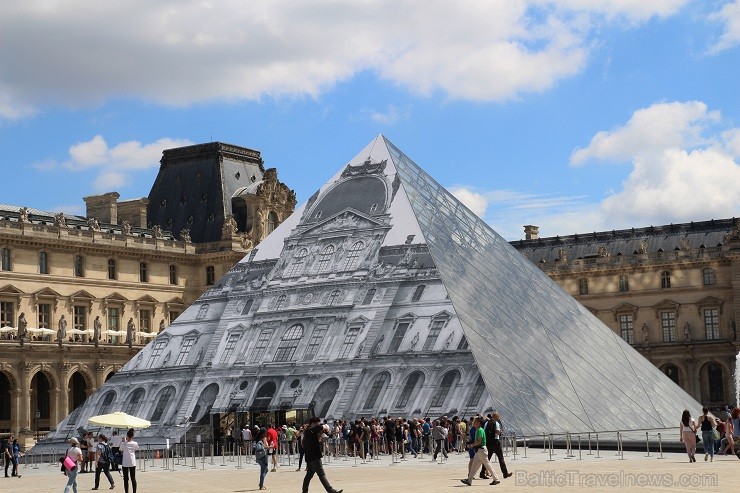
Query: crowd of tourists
x,y
719,436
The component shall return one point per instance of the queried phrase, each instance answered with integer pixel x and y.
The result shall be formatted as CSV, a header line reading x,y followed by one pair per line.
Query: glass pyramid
x,y
383,294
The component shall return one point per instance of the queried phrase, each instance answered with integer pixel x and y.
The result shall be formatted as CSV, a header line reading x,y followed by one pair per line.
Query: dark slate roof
x,y
703,234
195,184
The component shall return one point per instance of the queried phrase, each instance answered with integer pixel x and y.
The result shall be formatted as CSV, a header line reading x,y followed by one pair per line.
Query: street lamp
x,y
38,415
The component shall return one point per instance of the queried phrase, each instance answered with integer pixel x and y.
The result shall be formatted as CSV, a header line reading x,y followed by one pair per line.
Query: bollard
x,y
544,444
579,448
619,443
223,457
589,445
354,452
597,447
550,459
513,446
647,444
211,454
525,446
660,446
567,446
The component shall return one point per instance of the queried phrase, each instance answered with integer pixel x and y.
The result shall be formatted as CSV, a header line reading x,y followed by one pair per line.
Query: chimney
x,y
103,207
133,211
531,232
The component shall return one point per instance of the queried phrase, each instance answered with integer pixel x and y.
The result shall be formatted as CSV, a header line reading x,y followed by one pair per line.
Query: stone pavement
x,y
535,473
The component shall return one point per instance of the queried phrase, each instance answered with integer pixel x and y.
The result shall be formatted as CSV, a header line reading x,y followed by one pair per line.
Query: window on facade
x,y
377,387
145,320
210,275
369,296
349,342
668,324
272,222
711,323
185,348
434,330
626,328
43,263
173,315
112,273
289,343
6,314
325,259
281,302
716,383
296,268
418,292
665,279
408,389
5,259
401,328
477,393
156,352
440,396
708,277
334,298
134,401
260,346
353,256
583,286
229,347
114,318
44,316
143,272
202,311
79,266
463,346
624,284
162,403
107,401
671,371
79,318
173,274
317,336
247,307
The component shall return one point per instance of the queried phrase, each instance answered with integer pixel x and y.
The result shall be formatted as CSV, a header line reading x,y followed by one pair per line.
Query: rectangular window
x,y
185,348
418,292
582,286
143,274
6,314
349,342
114,319
626,328
112,274
173,315
43,263
711,323
258,352
145,320
401,329
434,331
5,258
79,266
44,316
156,351
624,284
173,274
79,317
229,348
210,275
708,277
668,324
315,342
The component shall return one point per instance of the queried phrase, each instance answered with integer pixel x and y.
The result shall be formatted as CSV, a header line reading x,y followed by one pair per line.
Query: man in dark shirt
x,y
312,449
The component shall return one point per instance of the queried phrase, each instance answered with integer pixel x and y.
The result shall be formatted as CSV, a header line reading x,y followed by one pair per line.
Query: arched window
x,y
107,401
440,396
411,384
162,403
264,396
272,222
79,390
708,277
716,383
5,398
296,268
477,393
665,279
671,371
247,307
134,401
334,298
325,259
281,302
377,387
289,343
353,256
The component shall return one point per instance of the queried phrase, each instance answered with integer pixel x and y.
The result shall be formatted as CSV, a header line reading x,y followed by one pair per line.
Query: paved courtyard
x,y
534,473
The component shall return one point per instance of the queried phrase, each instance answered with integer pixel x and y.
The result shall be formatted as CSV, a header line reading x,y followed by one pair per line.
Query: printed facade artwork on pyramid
x,y
384,295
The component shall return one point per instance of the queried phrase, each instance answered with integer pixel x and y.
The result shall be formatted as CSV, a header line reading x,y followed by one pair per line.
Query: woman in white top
x,y
74,453
687,431
129,448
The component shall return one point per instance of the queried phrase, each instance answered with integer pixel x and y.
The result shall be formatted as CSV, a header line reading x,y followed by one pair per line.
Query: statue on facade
x,y
185,235
229,228
22,328
23,214
93,224
97,326
157,230
645,334
562,256
643,247
126,227
687,332
684,244
376,348
161,326
60,221
61,330
130,329
603,252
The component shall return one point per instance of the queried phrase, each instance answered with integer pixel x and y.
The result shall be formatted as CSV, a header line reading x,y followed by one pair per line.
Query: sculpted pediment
x,y
347,219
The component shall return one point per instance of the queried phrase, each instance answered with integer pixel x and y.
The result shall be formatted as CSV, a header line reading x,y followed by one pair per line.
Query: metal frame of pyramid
x,y
384,294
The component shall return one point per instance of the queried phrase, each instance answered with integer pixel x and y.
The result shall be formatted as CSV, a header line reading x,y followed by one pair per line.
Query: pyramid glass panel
x,y
380,279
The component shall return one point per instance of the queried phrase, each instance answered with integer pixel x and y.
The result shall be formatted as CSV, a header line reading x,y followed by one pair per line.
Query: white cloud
x,y
729,15
179,53
472,200
389,117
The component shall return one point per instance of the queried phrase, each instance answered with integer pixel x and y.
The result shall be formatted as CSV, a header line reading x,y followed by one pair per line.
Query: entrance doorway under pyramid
x,y
383,294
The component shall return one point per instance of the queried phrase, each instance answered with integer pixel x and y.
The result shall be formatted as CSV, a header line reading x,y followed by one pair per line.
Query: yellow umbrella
x,y
119,419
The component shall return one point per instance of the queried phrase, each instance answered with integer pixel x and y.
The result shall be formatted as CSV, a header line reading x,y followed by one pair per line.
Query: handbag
x,y
69,464
259,450
715,435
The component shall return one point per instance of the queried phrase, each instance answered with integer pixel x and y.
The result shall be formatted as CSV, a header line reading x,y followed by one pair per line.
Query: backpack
x,y
107,456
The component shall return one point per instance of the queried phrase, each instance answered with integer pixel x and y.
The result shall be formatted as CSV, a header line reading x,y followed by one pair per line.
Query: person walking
x,y
75,454
260,454
728,441
299,443
103,455
438,435
481,455
129,448
272,445
115,445
6,451
707,424
687,431
312,448
16,452
493,439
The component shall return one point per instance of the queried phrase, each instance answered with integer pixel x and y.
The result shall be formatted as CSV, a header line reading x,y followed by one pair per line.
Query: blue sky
x,y
575,115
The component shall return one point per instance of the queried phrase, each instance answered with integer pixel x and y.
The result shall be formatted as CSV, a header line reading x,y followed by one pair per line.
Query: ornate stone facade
x,y
672,292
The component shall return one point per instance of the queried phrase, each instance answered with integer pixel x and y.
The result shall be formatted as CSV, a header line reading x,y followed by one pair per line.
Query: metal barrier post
x,y
660,445
589,445
647,444
354,452
621,448
579,448
544,444
211,454
550,459
525,446
597,447
568,454
513,446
